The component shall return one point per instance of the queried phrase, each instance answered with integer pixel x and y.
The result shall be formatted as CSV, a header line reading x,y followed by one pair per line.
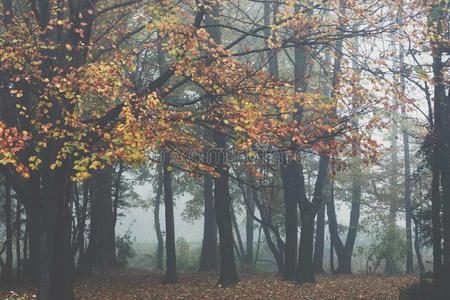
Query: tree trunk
x,y
277,252
82,224
440,154
208,256
222,204
444,141
408,209
272,56
101,252
277,248
117,196
18,237
331,227
55,276
345,259
8,269
35,235
222,200
407,174
417,248
332,270
171,258
344,255
319,241
305,269
290,176
25,252
250,209
439,95
308,210
159,235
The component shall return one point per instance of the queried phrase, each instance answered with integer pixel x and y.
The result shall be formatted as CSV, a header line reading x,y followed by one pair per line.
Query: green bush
x,y
125,249
389,243
187,258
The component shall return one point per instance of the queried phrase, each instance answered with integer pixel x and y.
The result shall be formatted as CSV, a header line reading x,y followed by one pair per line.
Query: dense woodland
x,y
311,138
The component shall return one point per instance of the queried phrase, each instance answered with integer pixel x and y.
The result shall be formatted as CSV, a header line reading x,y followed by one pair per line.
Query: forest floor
x,y
138,284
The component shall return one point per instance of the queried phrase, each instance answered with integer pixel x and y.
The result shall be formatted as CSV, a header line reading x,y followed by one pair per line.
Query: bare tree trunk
x,y
290,176
18,237
171,258
100,252
391,265
319,241
308,210
407,171
417,247
53,221
408,209
209,251
277,248
305,269
8,269
25,260
222,204
159,235
81,225
250,210
436,197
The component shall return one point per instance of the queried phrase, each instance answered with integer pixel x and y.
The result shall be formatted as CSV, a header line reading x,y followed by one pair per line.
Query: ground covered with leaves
x,y
135,284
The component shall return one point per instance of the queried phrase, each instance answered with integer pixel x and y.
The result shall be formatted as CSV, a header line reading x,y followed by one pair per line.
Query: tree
x,y
440,137
171,260
209,251
46,62
101,251
159,235
7,268
80,96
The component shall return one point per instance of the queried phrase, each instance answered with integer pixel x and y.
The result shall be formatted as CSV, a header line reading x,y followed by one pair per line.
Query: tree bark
x,y
82,225
290,175
436,197
277,247
101,252
305,269
407,172
159,235
209,251
250,209
222,200
408,209
171,258
8,268
343,252
18,237
55,259
308,210
417,247
222,204
319,241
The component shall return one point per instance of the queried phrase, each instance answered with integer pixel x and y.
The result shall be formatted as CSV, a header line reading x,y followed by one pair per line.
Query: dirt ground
x,y
137,284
